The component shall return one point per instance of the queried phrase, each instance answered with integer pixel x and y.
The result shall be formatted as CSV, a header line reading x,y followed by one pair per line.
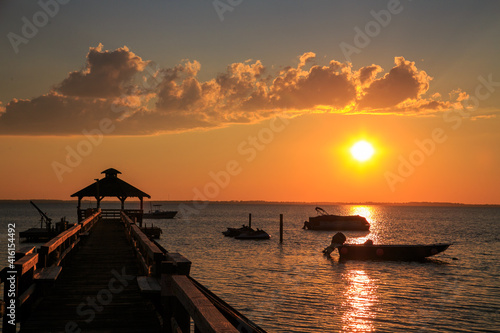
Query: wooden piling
x,y
250,220
281,228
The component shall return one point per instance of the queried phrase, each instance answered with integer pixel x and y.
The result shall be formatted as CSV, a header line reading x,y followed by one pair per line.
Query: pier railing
x,y
167,282
33,273
149,254
55,250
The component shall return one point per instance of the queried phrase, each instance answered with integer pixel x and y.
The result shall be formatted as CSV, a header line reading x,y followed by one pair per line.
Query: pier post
x,y
281,228
175,316
250,220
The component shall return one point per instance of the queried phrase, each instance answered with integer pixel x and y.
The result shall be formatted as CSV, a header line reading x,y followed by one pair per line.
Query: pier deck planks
x,y
87,274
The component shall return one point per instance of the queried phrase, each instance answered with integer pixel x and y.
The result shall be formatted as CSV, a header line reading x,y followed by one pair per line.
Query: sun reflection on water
x,y
361,298
365,211
370,213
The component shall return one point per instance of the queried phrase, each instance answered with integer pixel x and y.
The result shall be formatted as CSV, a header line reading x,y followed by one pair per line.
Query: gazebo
x,y
110,186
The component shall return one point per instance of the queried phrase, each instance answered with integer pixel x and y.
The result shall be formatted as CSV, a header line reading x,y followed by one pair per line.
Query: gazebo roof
x,y
110,186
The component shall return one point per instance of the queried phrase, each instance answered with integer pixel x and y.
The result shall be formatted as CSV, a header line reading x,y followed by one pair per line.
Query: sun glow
x,y
362,151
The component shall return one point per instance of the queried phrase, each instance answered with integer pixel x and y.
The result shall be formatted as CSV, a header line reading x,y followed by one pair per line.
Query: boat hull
x,y
389,252
160,215
253,235
36,235
336,222
233,232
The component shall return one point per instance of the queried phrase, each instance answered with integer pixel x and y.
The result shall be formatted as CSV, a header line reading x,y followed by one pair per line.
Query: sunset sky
x,y
252,100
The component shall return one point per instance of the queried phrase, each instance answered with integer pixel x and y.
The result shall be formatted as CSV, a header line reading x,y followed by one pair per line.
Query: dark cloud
x,y
107,74
322,85
404,81
55,114
367,74
116,85
180,90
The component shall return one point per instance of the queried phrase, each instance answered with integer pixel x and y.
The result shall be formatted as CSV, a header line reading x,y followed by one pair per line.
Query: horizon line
x,y
276,202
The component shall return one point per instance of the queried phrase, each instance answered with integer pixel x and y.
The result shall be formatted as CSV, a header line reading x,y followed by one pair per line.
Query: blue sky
x,y
216,82
453,40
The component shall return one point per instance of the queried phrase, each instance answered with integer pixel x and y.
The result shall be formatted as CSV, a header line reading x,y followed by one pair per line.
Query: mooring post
x,y
250,220
281,228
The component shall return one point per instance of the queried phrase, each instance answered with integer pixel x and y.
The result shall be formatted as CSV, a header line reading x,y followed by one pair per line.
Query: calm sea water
x,y
292,287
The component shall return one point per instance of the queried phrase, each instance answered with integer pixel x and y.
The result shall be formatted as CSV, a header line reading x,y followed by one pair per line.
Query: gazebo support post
x,y
79,210
122,200
142,210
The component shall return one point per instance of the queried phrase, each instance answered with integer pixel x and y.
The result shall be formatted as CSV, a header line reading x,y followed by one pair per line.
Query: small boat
x,y
152,231
47,232
157,213
325,221
38,235
389,252
370,251
254,234
233,232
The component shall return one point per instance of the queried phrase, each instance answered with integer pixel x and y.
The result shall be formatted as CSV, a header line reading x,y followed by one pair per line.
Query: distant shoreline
x,y
259,202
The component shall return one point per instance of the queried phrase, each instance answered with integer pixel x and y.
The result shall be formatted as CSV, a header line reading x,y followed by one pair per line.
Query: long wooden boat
x,y
325,221
389,252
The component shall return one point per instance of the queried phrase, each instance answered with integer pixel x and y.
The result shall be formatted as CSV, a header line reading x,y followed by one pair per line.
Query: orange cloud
x,y
114,85
306,58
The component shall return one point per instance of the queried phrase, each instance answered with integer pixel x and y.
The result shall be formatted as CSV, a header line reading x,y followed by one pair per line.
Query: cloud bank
x,y
142,99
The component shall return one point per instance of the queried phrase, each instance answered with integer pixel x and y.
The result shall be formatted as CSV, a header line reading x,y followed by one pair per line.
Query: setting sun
x,y
362,151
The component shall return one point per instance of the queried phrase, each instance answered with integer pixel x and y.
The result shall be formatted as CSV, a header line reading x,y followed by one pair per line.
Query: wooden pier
x,y
105,275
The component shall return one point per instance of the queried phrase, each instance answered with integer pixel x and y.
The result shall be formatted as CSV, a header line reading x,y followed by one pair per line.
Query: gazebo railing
x,y
85,213
135,214
110,213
